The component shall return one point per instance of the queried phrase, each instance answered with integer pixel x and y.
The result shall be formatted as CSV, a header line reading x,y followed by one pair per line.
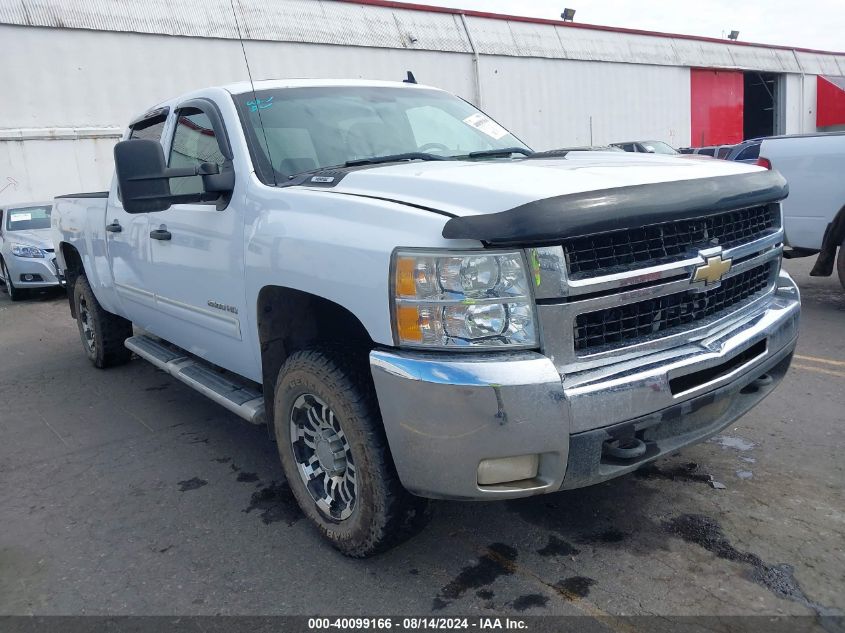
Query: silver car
x,y
26,248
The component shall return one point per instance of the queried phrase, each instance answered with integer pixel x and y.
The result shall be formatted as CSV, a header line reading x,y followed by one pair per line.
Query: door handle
x,y
161,233
114,227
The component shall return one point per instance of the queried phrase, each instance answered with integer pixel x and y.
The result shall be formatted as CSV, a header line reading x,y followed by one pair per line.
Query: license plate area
x,y
689,382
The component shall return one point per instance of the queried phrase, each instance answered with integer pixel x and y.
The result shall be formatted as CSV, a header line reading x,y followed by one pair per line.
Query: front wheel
x,y
335,455
15,294
103,334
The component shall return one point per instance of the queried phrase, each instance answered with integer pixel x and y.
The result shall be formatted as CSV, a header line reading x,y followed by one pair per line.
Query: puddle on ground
x,y
734,442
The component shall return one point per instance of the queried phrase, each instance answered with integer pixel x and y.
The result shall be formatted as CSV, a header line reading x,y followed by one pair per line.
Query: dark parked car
x,y
747,151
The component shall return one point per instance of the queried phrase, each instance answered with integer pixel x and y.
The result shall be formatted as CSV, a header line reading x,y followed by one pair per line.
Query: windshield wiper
x,y
505,151
394,158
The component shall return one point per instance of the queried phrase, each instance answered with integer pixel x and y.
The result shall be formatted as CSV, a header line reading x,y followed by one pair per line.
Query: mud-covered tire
x,y
384,513
15,294
840,264
102,333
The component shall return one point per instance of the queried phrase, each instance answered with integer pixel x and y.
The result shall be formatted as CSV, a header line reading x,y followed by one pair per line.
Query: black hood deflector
x,y
552,219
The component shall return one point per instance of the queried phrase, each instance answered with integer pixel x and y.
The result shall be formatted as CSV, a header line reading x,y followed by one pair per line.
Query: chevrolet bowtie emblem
x,y
713,270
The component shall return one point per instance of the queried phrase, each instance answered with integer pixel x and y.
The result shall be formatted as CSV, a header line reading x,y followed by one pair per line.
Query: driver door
x,y
196,263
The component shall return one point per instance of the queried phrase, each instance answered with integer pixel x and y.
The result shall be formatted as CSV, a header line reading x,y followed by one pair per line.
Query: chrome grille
x,y
621,324
597,254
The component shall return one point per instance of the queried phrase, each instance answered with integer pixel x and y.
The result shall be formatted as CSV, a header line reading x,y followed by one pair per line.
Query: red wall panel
x,y
830,107
717,106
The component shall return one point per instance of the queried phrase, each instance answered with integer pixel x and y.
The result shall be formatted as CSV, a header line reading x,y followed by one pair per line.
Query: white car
x,y
417,304
814,212
26,248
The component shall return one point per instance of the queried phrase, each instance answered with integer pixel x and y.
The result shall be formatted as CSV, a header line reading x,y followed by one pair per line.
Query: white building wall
x,y
553,103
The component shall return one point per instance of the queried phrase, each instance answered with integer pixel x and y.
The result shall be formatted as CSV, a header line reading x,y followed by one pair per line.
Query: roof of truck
x,y
269,84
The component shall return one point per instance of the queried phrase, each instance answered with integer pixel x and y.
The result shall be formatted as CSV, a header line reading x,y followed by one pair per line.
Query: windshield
x,y
659,147
309,128
28,218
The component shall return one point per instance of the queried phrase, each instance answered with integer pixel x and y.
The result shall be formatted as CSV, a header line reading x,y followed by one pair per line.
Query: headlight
x,y
22,250
474,299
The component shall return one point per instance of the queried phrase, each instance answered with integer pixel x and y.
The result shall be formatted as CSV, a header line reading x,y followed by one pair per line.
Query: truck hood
x,y
37,237
480,187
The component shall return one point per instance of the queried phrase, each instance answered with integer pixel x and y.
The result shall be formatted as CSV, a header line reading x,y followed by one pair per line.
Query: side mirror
x,y
144,178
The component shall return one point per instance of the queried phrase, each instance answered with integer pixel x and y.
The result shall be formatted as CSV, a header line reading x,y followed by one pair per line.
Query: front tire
x,y
335,455
103,334
840,264
15,294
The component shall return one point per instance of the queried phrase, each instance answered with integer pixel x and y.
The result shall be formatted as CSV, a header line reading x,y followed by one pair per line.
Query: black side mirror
x,y
144,178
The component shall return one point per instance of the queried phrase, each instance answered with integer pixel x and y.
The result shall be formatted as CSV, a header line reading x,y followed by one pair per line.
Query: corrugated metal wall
x,y
93,64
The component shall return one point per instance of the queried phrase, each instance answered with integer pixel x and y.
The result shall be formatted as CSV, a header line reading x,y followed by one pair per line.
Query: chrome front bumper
x,y
445,413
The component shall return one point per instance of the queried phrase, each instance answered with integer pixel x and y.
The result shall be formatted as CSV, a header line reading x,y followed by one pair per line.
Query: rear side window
x,y
707,151
751,152
194,143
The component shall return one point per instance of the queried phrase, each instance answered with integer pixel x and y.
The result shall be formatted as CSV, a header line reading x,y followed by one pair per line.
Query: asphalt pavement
x,y
124,492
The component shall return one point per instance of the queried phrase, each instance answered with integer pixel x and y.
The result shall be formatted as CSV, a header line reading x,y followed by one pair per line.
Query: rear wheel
x,y
840,264
15,294
335,455
102,333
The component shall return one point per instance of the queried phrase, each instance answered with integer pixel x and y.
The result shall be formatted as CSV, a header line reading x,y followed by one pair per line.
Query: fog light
x,y
27,277
505,469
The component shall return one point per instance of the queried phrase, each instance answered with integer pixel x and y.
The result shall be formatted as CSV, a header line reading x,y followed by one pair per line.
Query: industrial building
x,y
75,72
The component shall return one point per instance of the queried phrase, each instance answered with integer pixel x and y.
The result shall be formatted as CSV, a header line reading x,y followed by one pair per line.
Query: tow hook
x,y
624,448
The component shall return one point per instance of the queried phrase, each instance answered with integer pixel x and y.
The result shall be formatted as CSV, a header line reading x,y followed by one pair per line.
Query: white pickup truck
x,y
814,213
417,304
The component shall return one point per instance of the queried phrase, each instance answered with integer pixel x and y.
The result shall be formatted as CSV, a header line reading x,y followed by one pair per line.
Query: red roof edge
x,y
575,25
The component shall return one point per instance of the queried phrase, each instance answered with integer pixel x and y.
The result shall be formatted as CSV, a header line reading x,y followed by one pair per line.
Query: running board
x,y
238,397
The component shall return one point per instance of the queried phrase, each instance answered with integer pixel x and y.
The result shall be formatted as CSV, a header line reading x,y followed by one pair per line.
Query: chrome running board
x,y
237,396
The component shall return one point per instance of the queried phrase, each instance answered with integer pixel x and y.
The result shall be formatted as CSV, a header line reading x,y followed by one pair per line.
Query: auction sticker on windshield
x,y
20,217
485,124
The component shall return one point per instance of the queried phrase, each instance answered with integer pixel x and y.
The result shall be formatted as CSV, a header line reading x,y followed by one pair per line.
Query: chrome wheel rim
x,y
86,326
323,457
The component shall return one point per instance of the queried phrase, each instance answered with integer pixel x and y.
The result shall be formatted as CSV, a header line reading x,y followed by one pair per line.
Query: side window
x,y
749,153
194,143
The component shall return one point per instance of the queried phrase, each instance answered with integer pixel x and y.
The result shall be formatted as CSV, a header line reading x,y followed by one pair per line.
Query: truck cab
x,y
420,306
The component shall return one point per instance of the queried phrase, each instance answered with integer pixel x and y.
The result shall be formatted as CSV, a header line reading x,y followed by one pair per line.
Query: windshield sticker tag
x,y
486,125
259,104
20,217
322,179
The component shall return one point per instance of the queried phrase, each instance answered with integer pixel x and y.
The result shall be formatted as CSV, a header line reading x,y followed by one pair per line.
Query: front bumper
x,y
42,269
445,413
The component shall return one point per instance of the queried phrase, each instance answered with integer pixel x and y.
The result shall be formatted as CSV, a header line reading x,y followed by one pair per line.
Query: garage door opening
x,y
760,116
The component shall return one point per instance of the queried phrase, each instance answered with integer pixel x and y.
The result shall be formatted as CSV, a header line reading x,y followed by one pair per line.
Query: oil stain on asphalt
x,y
528,601
575,587
191,484
557,547
497,561
778,578
275,503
